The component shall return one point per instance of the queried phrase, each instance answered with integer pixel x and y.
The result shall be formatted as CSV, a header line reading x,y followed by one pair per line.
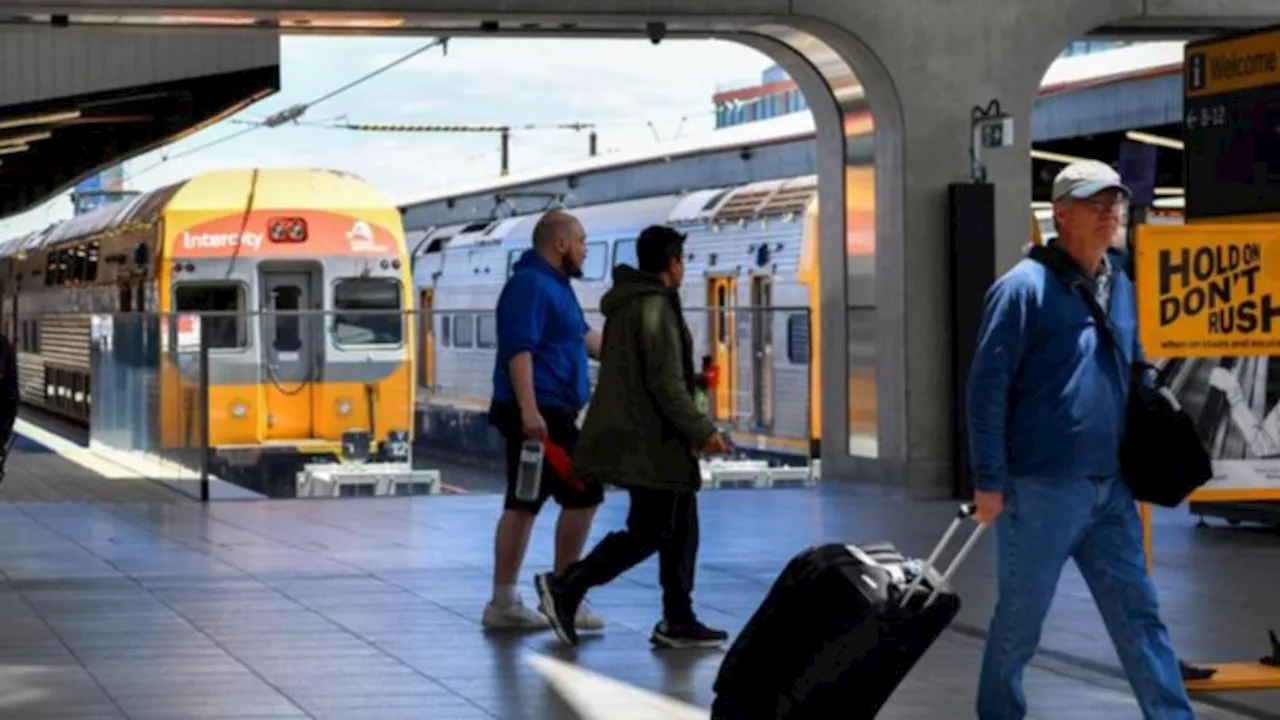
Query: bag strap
x,y
1061,265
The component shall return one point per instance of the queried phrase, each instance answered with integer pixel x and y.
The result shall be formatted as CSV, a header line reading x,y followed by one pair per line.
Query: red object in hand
x,y
713,376
561,463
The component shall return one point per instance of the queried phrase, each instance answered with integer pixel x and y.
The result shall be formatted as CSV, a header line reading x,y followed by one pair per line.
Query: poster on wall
x,y
1209,317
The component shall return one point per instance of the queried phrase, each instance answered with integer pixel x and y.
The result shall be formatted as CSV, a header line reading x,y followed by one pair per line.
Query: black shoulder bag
x,y
1161,456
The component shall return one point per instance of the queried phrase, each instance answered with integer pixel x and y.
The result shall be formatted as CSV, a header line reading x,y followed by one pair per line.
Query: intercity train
x,y
304,278
750,294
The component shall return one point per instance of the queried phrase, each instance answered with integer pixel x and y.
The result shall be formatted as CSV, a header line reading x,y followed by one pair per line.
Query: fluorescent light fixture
x,y
11,149
1150,139
1169,202
1170,191
45,119
24,139
1056,157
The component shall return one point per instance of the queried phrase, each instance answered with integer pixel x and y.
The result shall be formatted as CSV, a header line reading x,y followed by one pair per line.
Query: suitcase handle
x,y
965,512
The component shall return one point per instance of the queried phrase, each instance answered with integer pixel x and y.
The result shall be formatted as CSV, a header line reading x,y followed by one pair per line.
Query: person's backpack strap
x,y
1162,457
1061,265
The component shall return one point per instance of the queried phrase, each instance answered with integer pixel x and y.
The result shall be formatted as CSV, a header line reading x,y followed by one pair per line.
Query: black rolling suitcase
x,y
838,631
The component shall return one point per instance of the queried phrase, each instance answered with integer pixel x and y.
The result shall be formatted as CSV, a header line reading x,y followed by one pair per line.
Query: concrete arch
x,y
834,88
923,65
881,94
833,85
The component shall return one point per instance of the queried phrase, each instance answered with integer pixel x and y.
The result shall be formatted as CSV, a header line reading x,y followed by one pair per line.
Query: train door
x,y
427,331
762,352
722,345
289,355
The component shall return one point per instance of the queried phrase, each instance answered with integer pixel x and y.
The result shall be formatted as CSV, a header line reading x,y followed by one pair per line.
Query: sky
x,y
638,94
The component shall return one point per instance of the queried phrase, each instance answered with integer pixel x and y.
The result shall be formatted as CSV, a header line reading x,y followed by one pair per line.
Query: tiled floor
x,y
370,609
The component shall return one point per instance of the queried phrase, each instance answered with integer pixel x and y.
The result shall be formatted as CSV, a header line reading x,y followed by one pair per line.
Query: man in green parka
x,y
642,433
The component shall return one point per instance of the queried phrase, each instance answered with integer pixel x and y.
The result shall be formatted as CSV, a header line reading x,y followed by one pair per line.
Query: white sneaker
x,y
516,616
586,619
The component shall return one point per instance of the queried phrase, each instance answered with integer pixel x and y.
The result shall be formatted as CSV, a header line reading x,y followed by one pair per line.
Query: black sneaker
x,y
1191,672
558,606
686,635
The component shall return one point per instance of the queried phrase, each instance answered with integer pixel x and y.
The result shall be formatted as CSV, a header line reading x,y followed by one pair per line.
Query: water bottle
x,y
529,479
700,400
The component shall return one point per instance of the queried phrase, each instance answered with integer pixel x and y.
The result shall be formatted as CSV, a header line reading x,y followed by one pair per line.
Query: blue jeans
x,y
1094,522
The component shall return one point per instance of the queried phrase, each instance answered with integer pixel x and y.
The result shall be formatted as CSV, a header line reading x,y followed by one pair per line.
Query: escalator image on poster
x,y
1209,319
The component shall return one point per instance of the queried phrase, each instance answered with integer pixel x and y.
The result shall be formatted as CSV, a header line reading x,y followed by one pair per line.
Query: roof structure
x,y
1135,87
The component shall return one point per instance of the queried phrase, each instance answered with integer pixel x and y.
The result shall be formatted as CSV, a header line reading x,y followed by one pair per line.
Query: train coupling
x,y
366,471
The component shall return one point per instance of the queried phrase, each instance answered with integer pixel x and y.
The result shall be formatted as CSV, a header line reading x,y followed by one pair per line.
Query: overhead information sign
x,y
1209,315
1231,125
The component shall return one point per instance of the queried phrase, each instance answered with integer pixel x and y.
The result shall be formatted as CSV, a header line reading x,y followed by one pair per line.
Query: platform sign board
x,y
1209,315
1231,125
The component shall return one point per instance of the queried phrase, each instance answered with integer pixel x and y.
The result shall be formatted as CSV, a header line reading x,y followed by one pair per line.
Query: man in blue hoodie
x,y
1047,401
540,386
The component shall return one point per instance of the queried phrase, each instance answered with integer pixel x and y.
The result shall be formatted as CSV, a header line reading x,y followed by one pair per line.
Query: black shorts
x,y
563,431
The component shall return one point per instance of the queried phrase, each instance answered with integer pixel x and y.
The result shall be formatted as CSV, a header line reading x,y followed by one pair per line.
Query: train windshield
x,y
226,300
363,325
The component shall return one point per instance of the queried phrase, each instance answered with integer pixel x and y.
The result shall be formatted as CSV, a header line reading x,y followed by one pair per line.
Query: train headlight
x,y
343,407
238,410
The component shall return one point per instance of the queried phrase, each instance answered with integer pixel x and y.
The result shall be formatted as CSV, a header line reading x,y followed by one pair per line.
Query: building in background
x,y
775,93
748,101
105,188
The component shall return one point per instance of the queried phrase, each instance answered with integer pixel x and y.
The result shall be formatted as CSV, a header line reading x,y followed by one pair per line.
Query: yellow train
x,y
302,278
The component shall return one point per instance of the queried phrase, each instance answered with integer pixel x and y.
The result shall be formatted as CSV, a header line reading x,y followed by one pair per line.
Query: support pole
x,y
506,151
206,336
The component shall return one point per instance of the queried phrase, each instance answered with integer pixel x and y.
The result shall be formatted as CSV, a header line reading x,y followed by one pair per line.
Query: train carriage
x,y
749,291
301,279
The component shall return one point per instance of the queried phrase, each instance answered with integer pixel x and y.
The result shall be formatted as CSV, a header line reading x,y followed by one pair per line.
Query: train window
x,y
30,336
91,262
446,330
287,299
225,331
624,253
597,263
79,263
463,331
722,302
360,326
486,331
798,339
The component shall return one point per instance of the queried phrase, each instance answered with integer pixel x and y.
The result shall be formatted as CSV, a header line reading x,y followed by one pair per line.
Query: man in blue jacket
x,y
540,386
1047,401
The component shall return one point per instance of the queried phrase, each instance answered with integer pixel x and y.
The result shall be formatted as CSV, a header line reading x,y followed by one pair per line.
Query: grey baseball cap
x,y
1084,178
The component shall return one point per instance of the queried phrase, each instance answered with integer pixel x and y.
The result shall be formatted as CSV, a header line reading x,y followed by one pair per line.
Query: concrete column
x,y
923,79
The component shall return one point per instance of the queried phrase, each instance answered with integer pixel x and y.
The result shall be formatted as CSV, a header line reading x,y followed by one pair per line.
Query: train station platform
x,y
370,608
37,472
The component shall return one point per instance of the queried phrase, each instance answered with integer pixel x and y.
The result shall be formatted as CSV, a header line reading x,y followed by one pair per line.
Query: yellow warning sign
x,y
1208,290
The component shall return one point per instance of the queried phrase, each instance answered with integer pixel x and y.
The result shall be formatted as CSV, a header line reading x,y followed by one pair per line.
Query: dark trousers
x,y
660,521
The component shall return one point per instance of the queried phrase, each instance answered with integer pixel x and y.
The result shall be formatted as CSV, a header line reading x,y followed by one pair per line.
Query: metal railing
x,y
762,356
230,404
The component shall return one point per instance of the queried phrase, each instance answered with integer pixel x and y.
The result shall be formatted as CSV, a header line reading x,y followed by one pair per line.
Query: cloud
x,y
633,91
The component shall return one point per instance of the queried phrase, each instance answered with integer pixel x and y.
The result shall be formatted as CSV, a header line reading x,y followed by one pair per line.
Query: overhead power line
x,y
294,112
503,132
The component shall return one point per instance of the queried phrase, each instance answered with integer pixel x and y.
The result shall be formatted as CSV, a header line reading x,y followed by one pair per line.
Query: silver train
x,y
747,297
